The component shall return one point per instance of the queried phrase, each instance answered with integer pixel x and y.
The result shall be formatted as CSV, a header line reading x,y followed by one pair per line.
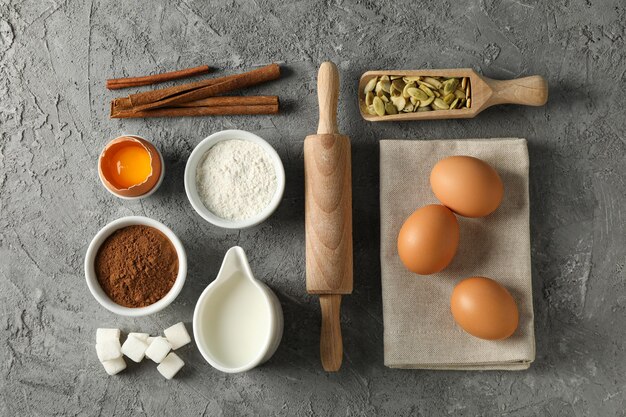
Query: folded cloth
x,y
420,332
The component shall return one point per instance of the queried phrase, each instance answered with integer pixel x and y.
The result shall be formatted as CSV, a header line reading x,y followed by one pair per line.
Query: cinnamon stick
x,y
197,111
123,104
117,83
247,79
231,101
163,93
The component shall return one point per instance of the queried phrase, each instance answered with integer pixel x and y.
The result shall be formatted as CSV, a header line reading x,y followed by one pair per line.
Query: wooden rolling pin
x,y
328,216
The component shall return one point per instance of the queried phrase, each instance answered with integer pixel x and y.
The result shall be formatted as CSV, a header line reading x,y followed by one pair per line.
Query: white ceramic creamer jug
x,y
238,320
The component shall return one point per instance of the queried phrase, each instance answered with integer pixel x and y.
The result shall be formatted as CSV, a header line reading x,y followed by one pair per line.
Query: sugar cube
x,y
109,349
107,334
134,348
140,336
150,339
158,349
177,335
170,365
114,366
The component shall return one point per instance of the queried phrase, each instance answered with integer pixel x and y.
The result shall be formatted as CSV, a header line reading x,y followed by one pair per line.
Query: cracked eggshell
x,y
142,190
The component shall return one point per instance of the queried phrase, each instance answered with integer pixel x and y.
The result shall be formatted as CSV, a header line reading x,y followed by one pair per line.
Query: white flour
x,y
236,179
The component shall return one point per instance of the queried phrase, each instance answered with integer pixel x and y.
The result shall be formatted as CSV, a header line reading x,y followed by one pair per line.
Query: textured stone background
x,y
54,58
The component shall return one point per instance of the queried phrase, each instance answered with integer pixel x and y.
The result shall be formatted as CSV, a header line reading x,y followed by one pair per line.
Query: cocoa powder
x,y
136,266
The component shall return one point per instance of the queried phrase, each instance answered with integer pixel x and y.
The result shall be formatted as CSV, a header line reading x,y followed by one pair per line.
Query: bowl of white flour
x,y
234,179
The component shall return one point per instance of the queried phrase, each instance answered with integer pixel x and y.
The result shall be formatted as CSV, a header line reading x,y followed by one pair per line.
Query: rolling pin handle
x,y
331,343
328,96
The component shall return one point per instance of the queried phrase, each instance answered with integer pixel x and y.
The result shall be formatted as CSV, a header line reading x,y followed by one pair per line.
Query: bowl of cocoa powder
x,y
135,266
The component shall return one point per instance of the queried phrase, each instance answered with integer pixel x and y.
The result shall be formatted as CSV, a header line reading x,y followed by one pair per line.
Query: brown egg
x,y
484,308
130,166
428,239
466,185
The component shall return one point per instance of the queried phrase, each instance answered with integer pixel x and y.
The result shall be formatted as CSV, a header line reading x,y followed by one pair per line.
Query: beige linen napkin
x,y
420,332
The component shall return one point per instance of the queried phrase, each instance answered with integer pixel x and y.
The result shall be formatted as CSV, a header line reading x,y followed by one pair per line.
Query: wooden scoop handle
x,y
331,344
528,91
328,97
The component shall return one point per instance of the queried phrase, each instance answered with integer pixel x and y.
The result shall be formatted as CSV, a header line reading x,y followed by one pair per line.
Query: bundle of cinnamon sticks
x,y
200,98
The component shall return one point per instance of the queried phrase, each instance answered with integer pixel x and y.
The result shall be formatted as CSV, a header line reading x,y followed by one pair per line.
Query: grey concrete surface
x,y
54,58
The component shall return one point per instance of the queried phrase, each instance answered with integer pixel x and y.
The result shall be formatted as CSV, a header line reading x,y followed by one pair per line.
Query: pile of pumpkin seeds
x,y
397,94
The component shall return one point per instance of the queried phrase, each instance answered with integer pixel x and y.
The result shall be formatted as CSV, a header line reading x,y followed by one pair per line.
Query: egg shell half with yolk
x,y
108,160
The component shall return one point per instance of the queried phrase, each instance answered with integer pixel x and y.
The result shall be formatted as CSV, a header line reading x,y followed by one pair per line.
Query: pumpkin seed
x,y
411,78
450,85
395,77
398,84
440,104
370,110
426,90
408,108
427,102
449,98
454,103
399,102
413,91
384,78
396,87
390,108
384,98
459,94
371,84
379,106
425,108
429,85
383,85
433,81
418,94
369,98
405,92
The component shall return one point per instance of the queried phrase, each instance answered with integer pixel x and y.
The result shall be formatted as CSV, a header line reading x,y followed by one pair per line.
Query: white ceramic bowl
x,y
192,190
153,189
92,280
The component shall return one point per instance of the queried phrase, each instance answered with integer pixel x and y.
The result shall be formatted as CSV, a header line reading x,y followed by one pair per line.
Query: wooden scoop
x,y
328,216
484,92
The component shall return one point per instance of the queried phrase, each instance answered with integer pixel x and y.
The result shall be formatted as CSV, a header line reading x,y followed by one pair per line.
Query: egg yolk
x,y
130,165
